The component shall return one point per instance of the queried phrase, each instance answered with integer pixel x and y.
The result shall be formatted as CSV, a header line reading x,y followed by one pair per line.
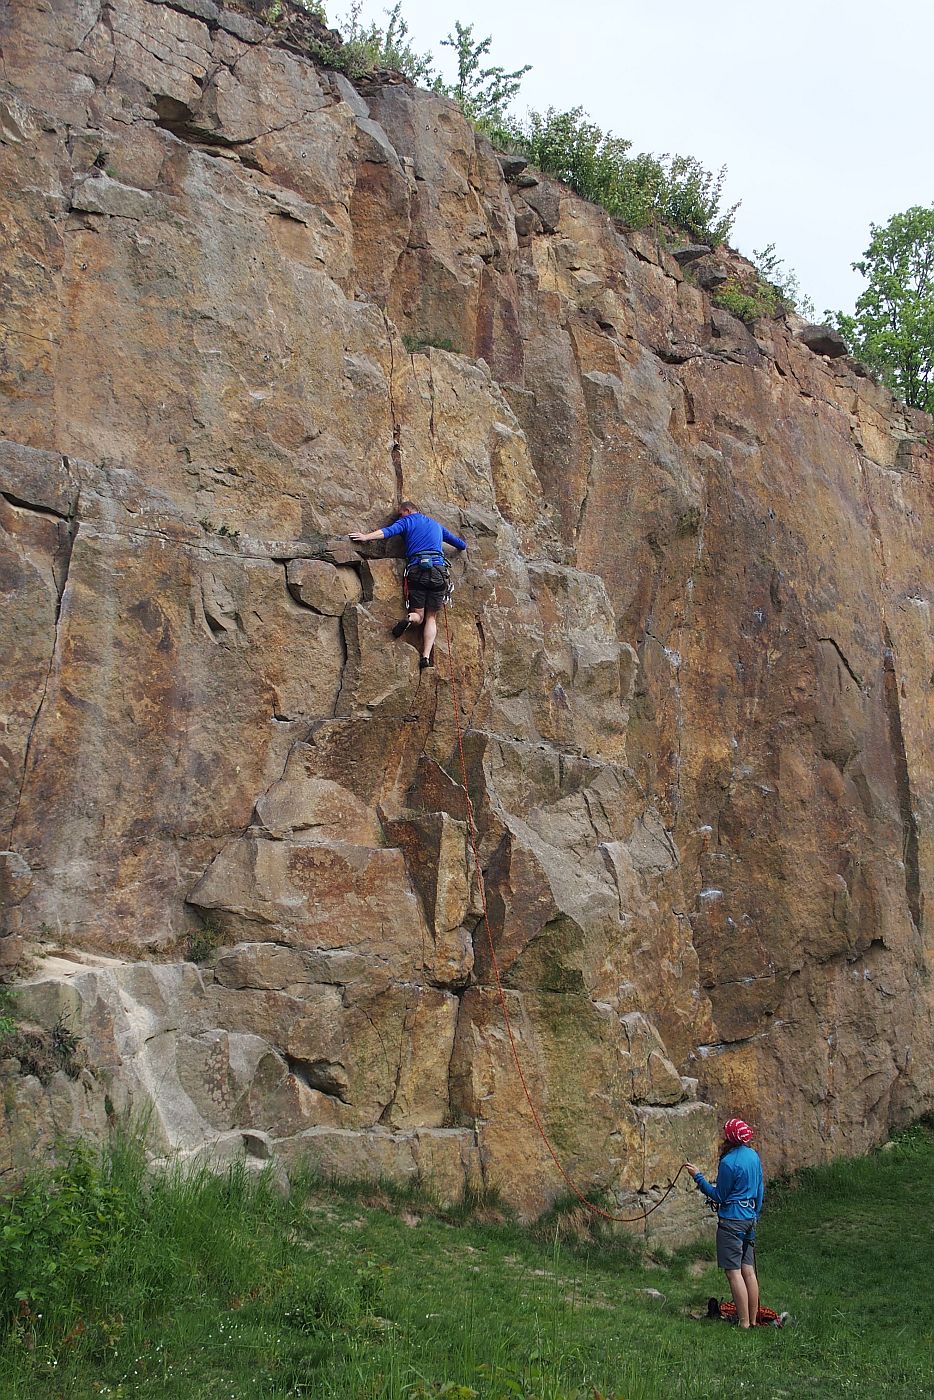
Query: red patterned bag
x,y
765,1317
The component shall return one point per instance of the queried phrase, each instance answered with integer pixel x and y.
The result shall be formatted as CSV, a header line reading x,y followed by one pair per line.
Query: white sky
x,y
821,111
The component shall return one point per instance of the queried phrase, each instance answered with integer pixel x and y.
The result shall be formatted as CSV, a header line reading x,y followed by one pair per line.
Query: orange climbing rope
x,y
569,1181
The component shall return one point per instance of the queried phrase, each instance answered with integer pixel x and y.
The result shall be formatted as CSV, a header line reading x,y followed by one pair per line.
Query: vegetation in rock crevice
x,y
204,939
416,344
38,1051
7,1018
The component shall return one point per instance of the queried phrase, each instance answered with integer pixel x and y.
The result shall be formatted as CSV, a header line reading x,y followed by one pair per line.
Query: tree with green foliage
x,y
483,94
893,328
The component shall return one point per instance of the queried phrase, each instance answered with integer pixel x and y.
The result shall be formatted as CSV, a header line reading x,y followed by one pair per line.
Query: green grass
x,y
213,1288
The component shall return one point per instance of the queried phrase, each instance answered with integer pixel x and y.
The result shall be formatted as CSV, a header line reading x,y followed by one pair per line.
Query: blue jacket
x,y
740,1188
422,535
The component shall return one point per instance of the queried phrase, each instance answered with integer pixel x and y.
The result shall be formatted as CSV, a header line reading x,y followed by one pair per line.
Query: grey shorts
x,y
736,1243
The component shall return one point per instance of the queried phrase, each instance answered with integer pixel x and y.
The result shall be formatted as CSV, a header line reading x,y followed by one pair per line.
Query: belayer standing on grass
x,y
738,1198
426,580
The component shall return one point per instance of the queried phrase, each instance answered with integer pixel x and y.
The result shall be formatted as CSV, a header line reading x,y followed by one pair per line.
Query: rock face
x,y
823,340
690,651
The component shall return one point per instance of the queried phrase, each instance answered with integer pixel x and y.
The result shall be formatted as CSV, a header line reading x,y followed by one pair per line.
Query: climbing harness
x,y
435,572
568,1180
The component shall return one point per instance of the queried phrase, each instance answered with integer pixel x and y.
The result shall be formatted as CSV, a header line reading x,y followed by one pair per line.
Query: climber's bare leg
x,y
429,632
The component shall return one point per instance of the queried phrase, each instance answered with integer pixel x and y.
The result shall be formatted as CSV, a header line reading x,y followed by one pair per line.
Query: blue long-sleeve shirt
x,y
740,1188
422,535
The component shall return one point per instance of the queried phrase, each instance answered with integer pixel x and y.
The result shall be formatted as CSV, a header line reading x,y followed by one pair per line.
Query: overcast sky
x,y
821,111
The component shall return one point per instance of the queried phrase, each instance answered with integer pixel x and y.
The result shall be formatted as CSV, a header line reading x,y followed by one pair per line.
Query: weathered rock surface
x,y
691,648
823,340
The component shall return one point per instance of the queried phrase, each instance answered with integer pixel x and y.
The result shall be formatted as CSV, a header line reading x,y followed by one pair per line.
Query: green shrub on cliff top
x,y
775,292
783,280
369,47
482,93
749,304
638,189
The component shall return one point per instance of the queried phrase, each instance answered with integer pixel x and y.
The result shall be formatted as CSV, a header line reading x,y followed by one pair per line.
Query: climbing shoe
x,y
424,662
400,627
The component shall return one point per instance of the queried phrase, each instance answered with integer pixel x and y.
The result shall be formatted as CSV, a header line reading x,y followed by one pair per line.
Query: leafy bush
x,y
483,93
368,47
97,1254
99,1227
273,11
750,305
784,280
638,189
57,1232
775,291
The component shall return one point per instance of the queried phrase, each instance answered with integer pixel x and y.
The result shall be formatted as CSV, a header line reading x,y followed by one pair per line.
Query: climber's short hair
x,y
408,506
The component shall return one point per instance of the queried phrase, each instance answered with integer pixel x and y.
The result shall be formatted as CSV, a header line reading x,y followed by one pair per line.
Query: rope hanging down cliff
x,y
568,1180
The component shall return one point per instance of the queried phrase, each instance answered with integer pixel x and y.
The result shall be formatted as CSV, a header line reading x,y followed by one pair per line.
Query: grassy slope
x,y
210,1290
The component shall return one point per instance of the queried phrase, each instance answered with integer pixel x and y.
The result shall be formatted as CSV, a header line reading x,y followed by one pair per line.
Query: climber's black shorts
x,y
736,1243
426,587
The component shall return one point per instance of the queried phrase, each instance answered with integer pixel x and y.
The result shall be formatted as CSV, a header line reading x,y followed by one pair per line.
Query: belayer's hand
x,y
689,1166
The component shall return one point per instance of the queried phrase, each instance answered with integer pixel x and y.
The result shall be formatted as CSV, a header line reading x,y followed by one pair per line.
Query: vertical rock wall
x,y
692,643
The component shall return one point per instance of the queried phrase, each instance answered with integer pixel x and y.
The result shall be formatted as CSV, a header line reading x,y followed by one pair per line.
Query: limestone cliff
x,y
693,639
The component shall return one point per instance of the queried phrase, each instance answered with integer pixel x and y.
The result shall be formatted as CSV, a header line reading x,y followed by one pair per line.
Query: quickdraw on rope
x,y
568,1180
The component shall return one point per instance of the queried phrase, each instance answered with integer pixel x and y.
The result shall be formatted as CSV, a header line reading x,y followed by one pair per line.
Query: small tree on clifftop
x,y
893,328
483,94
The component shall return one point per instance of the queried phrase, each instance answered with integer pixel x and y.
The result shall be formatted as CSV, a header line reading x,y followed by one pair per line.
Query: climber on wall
x,y
738,1198
426,579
